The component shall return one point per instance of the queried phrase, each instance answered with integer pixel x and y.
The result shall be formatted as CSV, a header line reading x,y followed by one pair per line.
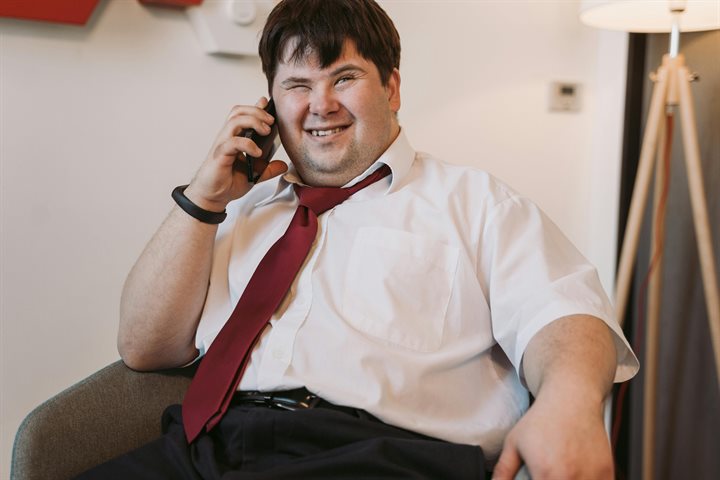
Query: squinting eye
x,y
344,79
296,87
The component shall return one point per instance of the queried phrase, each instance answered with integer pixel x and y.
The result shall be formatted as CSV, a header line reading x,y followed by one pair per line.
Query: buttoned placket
x,y
278,353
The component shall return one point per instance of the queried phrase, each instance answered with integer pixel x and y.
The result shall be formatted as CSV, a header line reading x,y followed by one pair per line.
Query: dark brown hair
x,y
320,27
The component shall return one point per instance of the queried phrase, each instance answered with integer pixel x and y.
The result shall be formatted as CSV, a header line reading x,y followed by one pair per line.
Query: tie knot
x,y
322,199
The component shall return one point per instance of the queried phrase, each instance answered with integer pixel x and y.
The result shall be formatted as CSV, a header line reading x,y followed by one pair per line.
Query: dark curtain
x,y
688,400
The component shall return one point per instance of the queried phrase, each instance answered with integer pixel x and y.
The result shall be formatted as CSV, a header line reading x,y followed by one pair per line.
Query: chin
x,y
325,163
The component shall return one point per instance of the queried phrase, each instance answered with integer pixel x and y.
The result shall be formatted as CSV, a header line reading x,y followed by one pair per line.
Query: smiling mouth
x,y
325,133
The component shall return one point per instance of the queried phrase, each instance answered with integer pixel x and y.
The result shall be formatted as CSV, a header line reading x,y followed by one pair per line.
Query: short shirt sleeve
x,y
535,276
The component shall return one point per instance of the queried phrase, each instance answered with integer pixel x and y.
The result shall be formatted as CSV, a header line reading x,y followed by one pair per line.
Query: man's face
x,y
335,122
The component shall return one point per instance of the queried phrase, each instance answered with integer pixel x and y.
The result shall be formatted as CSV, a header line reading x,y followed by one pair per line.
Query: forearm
x,y
572,357
164,294
569,367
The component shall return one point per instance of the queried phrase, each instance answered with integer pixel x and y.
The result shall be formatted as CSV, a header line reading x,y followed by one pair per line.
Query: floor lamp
x,y
671,94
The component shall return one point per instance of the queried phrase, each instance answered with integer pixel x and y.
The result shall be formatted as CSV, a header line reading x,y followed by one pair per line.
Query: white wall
x,y
98,123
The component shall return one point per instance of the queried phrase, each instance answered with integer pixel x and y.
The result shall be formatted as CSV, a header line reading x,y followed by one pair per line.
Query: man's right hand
x,y
217,183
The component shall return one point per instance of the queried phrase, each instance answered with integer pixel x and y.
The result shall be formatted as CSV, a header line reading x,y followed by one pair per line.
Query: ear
x,y
393,90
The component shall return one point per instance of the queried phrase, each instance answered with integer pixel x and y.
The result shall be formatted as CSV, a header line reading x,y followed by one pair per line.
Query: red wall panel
x,y
64,11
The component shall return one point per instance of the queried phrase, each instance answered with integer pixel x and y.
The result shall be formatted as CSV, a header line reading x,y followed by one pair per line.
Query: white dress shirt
x,y
417,299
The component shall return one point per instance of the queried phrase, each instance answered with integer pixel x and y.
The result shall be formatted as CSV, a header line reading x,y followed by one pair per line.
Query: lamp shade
x,y
650,16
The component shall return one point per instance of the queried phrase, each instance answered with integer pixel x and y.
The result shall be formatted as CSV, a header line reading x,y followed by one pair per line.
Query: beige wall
x,y
98,123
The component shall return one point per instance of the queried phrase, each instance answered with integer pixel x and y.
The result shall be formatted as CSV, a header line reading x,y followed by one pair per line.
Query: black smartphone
x,y
254,166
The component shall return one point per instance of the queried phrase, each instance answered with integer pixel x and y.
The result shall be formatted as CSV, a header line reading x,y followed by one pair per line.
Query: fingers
x,y
227,149
232,141
243,117
240,109
509,463
257,120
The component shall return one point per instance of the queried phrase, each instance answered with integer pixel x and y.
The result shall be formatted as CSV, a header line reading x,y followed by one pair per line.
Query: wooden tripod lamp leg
x,y
640,191
700,213
652,332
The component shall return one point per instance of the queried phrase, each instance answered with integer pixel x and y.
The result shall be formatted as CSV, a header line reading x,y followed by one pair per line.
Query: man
x,y
427,300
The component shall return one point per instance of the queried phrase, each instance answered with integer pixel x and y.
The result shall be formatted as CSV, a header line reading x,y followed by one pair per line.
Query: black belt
x,y
293,400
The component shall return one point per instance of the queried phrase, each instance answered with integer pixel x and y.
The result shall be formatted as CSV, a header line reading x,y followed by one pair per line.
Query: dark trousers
x,y
262,443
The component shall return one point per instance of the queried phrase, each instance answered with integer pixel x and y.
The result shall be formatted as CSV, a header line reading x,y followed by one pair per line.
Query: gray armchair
x,y
100,417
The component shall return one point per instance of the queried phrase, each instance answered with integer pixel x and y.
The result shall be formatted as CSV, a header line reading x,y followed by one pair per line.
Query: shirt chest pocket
x,y
397,287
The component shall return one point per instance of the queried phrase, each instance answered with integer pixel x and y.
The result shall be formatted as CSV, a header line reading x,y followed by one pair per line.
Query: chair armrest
x,y
105,415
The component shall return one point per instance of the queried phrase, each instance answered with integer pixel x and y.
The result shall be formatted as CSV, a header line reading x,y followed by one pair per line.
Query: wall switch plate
x,y
230,27
565,97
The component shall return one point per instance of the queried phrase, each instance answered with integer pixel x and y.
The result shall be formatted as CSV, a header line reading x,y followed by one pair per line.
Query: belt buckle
x,y
258,398
307,402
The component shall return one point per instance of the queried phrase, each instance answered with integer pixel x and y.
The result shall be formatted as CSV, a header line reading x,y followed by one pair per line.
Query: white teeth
x,y
324,133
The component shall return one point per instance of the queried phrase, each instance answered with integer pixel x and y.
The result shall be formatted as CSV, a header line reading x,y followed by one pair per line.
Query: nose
x,y
323,101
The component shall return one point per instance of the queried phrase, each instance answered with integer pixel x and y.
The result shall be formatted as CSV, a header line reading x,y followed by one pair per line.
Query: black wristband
x,y
193,210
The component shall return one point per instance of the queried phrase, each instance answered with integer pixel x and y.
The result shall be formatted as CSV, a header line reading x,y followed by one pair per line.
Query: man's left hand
x,y
558,440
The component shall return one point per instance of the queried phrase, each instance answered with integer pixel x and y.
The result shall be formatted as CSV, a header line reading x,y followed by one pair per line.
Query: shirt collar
x,y
399,156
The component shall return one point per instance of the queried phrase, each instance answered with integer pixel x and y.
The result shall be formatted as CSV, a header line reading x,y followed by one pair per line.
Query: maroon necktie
x,y
220,372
